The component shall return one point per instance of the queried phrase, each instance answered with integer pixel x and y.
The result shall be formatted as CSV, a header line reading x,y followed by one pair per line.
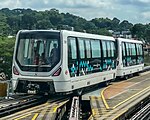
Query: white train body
x,y
130,57
82,60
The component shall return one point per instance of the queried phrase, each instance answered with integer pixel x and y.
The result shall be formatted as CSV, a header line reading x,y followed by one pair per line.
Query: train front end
x,y
36,61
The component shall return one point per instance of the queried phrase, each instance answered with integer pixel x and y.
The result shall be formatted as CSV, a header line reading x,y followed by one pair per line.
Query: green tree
x,y
115,24
4,27
44,24
138,31
125,25
6,53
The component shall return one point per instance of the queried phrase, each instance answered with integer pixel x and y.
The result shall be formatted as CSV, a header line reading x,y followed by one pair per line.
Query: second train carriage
x,y
130,57
61,61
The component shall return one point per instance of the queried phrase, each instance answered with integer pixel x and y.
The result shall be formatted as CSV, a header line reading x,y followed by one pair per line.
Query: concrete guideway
x,y
119,93
44,111
119,97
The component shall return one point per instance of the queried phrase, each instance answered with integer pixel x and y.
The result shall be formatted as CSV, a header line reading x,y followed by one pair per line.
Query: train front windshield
x,y
38,51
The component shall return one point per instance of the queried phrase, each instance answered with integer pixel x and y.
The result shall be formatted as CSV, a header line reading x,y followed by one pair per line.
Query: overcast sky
x,y
135,11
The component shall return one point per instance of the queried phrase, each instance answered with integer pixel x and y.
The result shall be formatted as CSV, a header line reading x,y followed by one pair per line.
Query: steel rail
x,y
142,114
26,103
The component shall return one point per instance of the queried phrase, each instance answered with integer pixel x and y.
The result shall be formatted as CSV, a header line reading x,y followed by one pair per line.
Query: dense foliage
x,y
13,20
6,53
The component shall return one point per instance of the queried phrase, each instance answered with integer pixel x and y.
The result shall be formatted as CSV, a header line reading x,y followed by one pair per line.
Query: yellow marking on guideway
x,y
120,114
131,97
35,116
90,118
55,108
93,112
103,98
23,117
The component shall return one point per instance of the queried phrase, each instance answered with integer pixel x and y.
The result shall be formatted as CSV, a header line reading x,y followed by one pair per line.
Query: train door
x,y
129,54
72,57
139,50
108,55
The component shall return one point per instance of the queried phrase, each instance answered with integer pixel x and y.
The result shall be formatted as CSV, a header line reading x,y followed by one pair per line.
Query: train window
x,y
124,54
72,56
137,47
88,48
34,49
130,49
104,48
140,49
123,49
72,48
41,48
108,49
139,53
96,52
112,47
81,47
26,48
127,49
133,49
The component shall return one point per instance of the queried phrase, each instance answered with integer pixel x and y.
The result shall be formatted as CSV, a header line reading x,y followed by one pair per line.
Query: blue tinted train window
x,y
127,49
108,49
123,49
112,47
124,60
88,48
72,56
96,52
130,51
133,49
139,53
73,49
81,47
104,48
139,49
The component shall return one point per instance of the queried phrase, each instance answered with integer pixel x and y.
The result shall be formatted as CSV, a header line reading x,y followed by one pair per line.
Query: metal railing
x,y
74,113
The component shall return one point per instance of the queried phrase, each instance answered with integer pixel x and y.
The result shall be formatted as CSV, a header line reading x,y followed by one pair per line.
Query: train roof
x,y
87,35
24,31
74,34
129,40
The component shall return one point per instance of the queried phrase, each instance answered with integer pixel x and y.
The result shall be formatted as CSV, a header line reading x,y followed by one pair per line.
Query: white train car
x,y
61,61
130,57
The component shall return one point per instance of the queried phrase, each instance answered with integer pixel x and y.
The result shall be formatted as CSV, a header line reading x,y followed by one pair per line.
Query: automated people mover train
x,y
64,61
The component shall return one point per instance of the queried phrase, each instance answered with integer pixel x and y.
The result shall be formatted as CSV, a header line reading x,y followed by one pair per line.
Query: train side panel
x,y
82,80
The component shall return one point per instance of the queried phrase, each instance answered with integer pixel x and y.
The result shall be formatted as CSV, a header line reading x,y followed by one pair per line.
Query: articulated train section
x,y
125,99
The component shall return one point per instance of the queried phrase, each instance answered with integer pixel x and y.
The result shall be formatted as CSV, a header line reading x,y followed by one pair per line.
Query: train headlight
x,y
57,73
15,71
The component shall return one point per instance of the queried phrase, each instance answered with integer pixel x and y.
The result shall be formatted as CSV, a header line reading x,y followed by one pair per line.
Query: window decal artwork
x,y
84,68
